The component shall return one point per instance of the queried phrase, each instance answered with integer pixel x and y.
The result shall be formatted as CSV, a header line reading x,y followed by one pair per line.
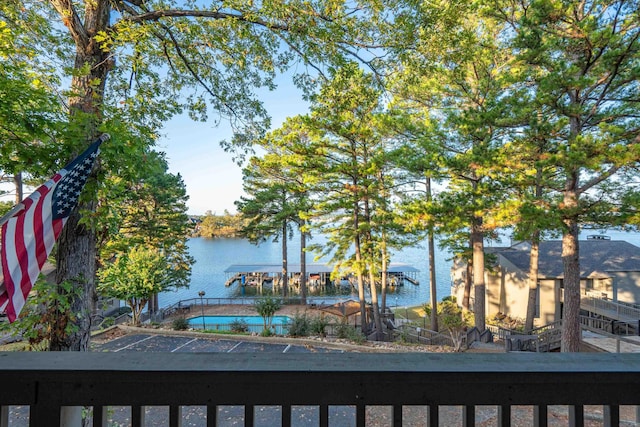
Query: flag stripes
x,y
28,237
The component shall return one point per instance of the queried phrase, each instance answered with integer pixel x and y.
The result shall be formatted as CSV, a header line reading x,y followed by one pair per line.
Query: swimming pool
x,y
254,323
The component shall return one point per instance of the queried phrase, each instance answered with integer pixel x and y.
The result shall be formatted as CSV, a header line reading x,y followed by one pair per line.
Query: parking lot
x,y
191,344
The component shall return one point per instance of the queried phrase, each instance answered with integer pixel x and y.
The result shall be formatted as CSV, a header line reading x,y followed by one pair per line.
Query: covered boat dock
x,y
318,275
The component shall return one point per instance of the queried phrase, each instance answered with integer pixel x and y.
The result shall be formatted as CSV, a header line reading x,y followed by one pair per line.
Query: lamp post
x,y
201,294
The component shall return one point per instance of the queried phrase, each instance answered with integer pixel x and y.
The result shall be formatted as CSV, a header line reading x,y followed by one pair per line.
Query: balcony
x,y
47,382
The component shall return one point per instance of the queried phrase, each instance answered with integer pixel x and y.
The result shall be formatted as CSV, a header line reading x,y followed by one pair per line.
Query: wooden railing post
x,y
4,416
540,416
611,415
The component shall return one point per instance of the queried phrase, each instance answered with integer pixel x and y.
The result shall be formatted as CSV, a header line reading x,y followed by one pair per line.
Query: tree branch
x,y
71,20
598,179
172,13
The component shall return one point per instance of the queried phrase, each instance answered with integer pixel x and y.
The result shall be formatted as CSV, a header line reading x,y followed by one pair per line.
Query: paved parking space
x,y
187,344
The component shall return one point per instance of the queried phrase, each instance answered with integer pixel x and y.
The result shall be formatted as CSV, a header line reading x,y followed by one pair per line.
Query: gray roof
x,y
597,258
311,268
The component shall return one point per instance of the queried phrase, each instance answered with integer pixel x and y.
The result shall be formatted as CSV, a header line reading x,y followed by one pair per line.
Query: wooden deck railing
x,y
609,308
47,382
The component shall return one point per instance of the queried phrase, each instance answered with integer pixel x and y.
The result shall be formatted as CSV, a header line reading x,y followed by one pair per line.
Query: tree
x,y
148,211
270,208
454,321
136,276
462,89
170,58
580,59
225,225
285,163
417,156
31,115
348,173
267,307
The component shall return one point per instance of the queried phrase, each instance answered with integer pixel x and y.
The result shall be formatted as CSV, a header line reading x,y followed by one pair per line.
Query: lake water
x,y
213,256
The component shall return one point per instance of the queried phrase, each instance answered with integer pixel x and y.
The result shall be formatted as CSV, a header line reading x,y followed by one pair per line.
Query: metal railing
x,y
187,304
49,382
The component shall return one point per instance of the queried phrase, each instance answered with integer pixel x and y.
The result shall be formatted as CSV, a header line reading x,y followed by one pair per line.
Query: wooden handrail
x,y
46,382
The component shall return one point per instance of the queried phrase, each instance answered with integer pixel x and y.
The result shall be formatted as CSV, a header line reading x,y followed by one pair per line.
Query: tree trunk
x,y
371,260
374,304
358,255
136,310
432,269
468,281
76,254
76,264
570,247
17,182
533,281
477,239
303,267
285,267
571,264
384,277
533,263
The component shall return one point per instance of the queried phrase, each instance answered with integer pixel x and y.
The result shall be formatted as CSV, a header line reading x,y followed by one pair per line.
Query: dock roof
x,y
311,268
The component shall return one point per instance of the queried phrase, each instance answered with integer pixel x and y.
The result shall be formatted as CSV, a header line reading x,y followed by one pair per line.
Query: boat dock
x,y
318,275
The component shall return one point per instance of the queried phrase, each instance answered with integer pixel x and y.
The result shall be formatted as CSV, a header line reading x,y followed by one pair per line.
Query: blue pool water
x,y
255,323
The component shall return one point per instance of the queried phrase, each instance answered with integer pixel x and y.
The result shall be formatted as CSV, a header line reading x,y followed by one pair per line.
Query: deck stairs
x,y
548,337
542,339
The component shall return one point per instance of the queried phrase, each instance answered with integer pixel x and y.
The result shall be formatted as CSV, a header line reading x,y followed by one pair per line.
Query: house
x,y
609,269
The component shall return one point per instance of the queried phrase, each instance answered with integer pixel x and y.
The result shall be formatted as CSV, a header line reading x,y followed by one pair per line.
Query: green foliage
x,y
318,325
267,307
136,276
239,326
451,317
180,324
150,211
303,325
47,313
349,332
107,322
226,225
300,325
31,113
172,57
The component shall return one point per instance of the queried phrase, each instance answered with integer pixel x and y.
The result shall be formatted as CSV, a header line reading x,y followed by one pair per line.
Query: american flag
x,y
30,234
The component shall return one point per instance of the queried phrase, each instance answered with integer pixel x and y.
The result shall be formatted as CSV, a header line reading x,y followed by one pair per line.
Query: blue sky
x,y
212,179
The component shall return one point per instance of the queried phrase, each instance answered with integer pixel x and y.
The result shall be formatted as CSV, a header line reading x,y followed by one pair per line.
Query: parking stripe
x,y
234,347
134,343
180,346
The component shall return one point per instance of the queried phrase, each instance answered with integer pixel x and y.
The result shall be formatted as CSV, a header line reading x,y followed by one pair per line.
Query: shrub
x,y
180,324
299,325
346,331
107,322
266,333
319,325
239,325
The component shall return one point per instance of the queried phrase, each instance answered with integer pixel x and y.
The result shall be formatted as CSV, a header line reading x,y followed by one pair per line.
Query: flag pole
x,y
17,208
